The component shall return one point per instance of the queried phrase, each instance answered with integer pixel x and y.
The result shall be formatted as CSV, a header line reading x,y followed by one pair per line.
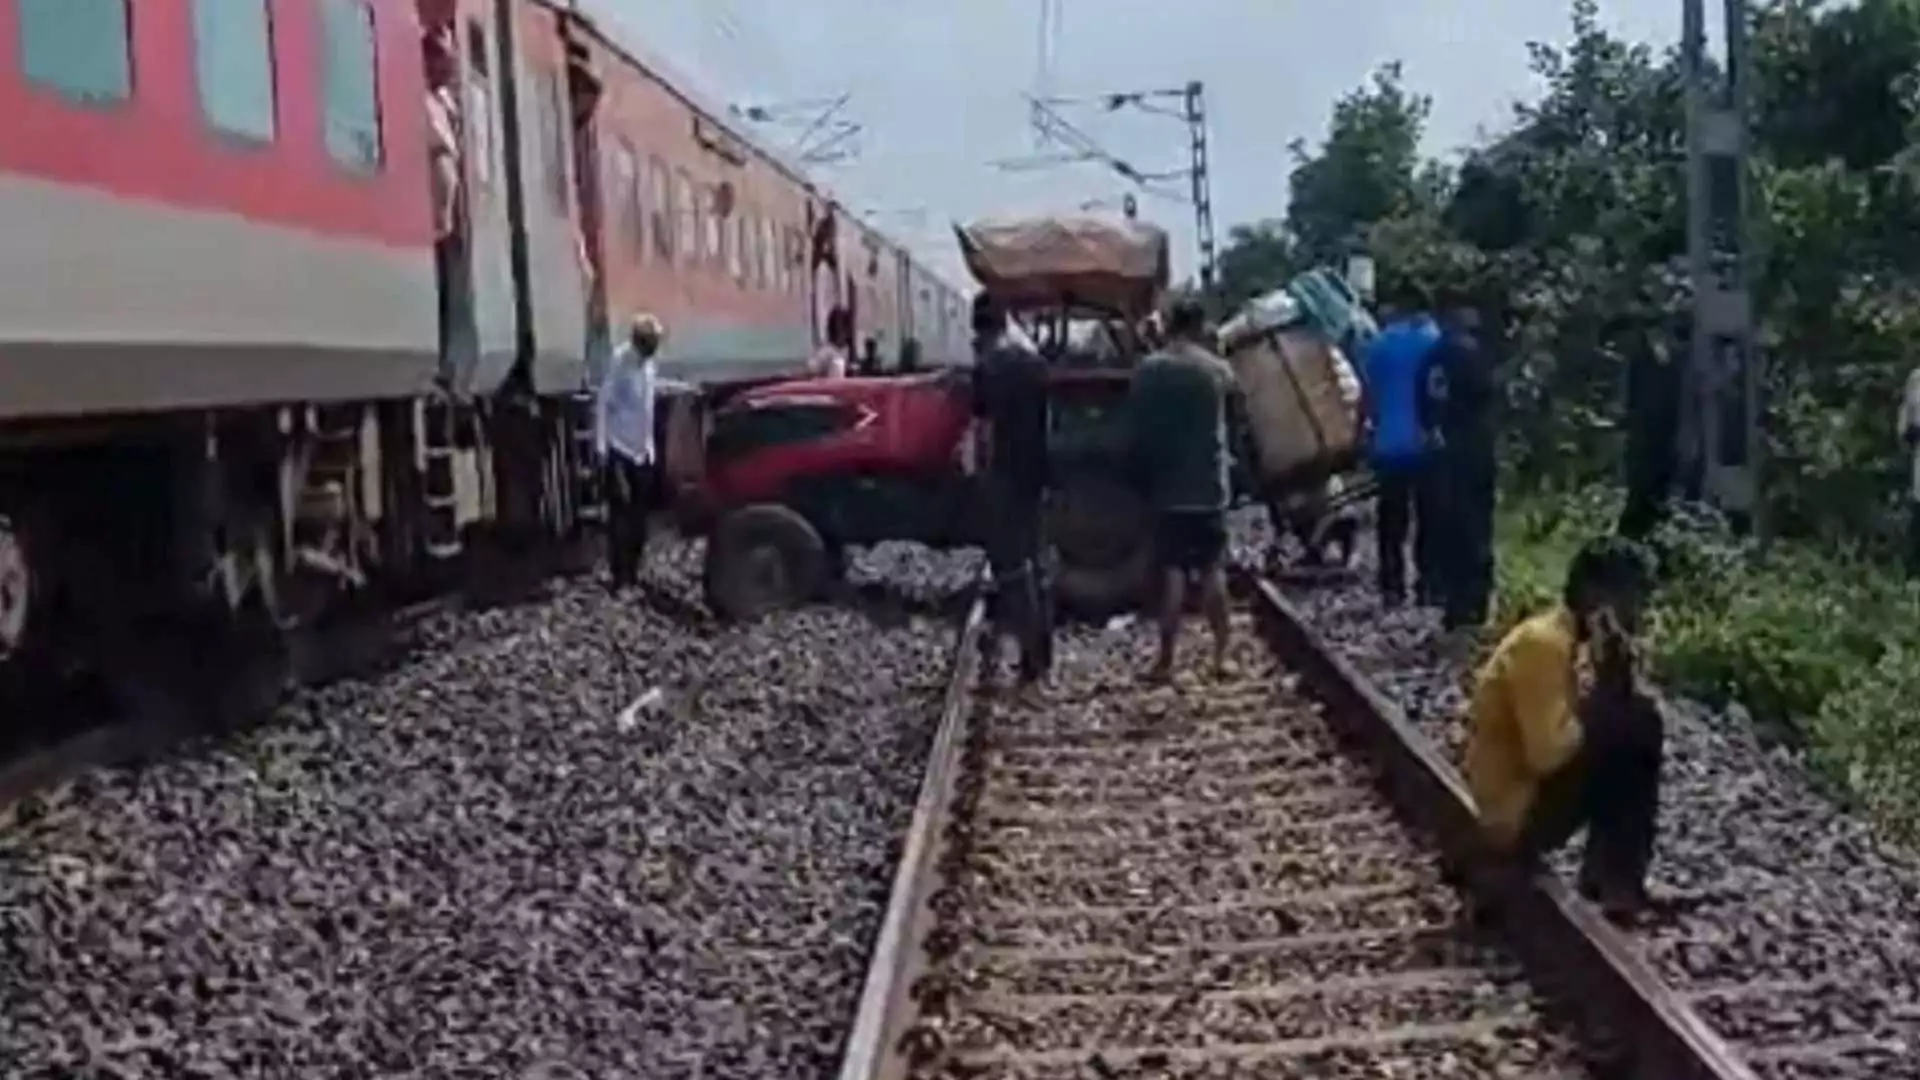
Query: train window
x,y
763,250
349,70
750,252
714,229
233,63
796,258
741,250
693,220
660,208
81,49
626,194
769,255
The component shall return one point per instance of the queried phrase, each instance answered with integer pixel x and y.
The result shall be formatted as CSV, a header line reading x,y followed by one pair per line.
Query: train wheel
x,y
25,595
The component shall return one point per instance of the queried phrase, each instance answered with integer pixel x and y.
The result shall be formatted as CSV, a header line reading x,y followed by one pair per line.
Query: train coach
x,y
249,374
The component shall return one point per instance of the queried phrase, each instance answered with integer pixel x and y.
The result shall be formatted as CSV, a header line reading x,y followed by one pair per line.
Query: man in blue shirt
x,y
1395,371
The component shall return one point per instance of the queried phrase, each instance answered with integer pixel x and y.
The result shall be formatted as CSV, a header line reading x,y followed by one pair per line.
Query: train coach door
x,y
823,268
452,195
583,95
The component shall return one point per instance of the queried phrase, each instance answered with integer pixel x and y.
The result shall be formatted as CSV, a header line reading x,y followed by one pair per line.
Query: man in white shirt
x,y
443,157
1910,437
830,361
624,433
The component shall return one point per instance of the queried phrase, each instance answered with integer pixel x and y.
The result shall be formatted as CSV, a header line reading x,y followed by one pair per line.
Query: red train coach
x,y
244,371
206,205
217,306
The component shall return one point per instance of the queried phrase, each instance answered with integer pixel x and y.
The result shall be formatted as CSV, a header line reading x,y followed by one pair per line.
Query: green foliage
x,y
1570,222
1822,651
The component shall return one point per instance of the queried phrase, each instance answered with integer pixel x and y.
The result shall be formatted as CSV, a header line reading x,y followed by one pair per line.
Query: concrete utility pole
x,y
1721,430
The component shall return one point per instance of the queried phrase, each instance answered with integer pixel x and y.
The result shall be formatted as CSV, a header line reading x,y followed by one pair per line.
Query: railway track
x,y
1245,879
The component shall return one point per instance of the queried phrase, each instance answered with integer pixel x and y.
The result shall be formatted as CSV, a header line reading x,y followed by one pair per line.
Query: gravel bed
x,y
1795,892
1193,882
487,863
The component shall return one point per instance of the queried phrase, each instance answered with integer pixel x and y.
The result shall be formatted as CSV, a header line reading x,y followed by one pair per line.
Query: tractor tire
x,y
1102,540
762,559
27,597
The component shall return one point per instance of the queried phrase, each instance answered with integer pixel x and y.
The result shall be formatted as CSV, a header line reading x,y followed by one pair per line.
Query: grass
x,y
1821,648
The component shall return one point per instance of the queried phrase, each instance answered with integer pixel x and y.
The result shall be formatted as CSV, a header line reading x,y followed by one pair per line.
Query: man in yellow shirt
x,y
1563,734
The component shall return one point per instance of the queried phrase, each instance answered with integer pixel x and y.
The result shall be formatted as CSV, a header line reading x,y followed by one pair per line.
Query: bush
x,y
1820,647
1865,740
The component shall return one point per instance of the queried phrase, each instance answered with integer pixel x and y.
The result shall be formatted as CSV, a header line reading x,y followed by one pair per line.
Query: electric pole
x,y
1721,429
1202,181
1069,145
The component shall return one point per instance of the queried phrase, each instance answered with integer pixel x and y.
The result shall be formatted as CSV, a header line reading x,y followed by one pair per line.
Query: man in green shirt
x,y
1177,420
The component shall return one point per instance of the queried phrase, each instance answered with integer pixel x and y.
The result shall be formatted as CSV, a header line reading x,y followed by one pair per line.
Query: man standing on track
x,y
1010,401
1399,453
1563,734
1464,395
624,432
1177,420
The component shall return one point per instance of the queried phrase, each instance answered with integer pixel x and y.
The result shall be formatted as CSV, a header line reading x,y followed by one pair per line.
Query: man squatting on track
x,y
1177,428
1010,403
1563,733
624,434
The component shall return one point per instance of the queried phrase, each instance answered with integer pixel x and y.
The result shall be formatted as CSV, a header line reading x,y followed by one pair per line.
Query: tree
x,y
1368,168
1572,222
1256,260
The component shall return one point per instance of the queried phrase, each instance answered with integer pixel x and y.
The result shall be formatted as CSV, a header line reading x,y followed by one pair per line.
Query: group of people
x,y
1177,438
1429,404
834,358
1564,733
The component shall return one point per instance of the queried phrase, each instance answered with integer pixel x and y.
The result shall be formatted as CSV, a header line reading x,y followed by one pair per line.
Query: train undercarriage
x,y
153,554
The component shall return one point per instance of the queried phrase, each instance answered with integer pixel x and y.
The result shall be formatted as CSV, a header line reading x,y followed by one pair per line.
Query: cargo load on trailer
x,y
783,478
1302,394
1081,264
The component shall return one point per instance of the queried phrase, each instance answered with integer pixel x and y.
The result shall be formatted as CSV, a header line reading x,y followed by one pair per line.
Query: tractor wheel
x,y
1100,532
28,593
761,559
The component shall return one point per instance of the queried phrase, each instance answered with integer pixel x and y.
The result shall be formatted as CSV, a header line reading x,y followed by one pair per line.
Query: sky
x,y
938,86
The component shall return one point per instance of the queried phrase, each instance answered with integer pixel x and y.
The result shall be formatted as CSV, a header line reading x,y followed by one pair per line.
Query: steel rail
x,y
896,963
1569,952
1573,954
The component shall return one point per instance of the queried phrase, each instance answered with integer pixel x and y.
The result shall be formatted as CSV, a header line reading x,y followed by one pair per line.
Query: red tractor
x,y
783,478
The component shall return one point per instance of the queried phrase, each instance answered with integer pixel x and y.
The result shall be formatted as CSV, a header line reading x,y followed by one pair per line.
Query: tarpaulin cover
x,y
1114,267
